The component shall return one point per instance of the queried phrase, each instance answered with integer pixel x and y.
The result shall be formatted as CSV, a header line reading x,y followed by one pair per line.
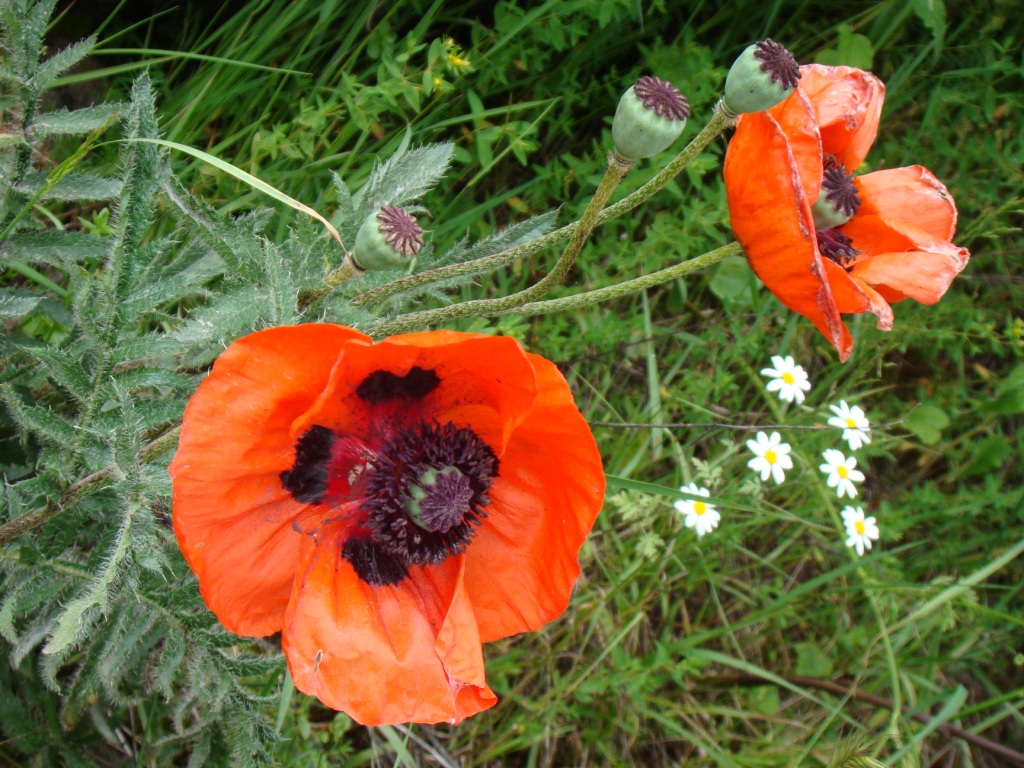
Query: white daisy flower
x,y
860,531
787,378
699,515
854,423
771,456
842,472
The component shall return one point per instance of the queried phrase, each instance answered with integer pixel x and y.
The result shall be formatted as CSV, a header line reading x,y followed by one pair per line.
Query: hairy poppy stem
x,y
630,286
37,517
719,122
618,167
346,271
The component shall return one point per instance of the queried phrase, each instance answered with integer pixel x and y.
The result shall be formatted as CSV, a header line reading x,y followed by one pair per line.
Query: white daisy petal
x,y
854,423
860,531
841,472
787,378
702,516
771,456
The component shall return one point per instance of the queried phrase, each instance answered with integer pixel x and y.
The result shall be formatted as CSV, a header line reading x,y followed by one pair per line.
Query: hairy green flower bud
x,y
387,239
762,76
650,116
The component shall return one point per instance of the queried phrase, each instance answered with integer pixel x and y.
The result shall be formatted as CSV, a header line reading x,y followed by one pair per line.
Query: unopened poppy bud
x,y
387,239
650,116
762,76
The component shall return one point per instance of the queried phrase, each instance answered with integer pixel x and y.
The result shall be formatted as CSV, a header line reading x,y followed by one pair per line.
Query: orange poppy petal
x,y
795,117
848,104
521,566
903,260
384,654
909,194
484,382
771,218
878,306
234,521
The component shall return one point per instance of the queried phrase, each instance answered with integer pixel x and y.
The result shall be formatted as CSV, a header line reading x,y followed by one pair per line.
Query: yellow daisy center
x,y
859,527
843,472
770,456
851,424
699,507
788,377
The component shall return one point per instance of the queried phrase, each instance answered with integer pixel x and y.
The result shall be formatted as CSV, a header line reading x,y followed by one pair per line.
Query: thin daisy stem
x,y
891,663
716,126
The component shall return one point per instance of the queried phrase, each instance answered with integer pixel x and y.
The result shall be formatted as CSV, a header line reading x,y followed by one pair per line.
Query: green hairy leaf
x,y
75,122
74,622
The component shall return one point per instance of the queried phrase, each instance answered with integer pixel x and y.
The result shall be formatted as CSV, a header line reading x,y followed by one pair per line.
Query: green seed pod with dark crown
x,y
386,239
838,201
762,76
650,116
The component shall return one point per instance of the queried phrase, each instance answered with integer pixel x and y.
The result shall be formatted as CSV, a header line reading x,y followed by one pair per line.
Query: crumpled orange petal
x,y
903,261
771,217
910,194
902,228
384,654
847,104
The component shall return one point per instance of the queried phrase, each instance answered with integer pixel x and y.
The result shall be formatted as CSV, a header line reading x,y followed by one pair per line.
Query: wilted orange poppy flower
x,y
387,507
824,242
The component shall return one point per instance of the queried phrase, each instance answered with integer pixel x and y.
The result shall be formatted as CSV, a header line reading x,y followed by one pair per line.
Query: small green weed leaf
x,y
933,14
40,420
852,50
811,661
732,281
58,249
765,699
65,370
927,422
1009,399
989,455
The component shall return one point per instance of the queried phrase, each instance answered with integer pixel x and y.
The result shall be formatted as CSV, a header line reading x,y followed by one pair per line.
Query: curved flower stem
x,y
345,271
718,123
618,167
589,298
630,286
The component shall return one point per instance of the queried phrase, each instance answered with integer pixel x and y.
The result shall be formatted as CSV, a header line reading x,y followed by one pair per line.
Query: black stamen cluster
x,y
779,64
399,466
662,98
836,246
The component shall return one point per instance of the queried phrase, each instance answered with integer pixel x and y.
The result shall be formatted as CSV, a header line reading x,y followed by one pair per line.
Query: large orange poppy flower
x,y
387,507
896,242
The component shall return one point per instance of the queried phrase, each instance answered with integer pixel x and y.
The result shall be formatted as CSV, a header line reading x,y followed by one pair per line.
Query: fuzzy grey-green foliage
x,y
99,615
97,605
